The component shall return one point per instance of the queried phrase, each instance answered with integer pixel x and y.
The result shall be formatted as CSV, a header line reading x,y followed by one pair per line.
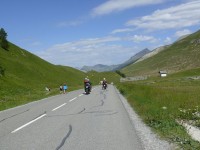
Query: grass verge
x,y
161,101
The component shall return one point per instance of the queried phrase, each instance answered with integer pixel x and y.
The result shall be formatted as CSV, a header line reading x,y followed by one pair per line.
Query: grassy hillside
x,y
27,75
96,77
161,102
182,55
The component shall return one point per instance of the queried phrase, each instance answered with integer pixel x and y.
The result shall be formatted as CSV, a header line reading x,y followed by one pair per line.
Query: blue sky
x,y
88,32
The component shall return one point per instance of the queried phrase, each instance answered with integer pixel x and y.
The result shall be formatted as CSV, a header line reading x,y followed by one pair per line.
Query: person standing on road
x,y
64,88
61,89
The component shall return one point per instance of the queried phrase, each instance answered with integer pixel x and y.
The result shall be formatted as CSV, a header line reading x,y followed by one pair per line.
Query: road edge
x,y
149,139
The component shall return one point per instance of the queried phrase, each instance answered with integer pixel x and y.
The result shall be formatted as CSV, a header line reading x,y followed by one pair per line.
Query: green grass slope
x,y
182,55
96,77
161,102
27,75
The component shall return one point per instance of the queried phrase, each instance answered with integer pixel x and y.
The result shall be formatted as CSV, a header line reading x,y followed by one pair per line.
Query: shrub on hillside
x,y
3,39
120,73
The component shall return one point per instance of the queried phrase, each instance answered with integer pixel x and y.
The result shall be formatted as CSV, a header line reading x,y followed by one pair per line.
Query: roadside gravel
x,y
149,139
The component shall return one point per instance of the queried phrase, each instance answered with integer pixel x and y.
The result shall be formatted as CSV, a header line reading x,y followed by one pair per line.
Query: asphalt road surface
x,y
72,121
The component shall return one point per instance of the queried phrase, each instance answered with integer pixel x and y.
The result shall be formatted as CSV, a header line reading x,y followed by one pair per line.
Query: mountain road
x,y
70,121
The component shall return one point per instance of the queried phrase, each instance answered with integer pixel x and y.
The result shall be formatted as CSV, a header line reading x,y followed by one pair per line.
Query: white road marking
x,y
72,99
43,115
59,106
28,123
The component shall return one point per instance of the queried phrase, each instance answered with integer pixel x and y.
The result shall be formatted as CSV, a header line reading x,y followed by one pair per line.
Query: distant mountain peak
x,y
103,68
133,58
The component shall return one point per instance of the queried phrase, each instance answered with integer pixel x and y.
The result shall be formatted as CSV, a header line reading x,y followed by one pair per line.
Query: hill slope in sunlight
x,y
26,75
182,55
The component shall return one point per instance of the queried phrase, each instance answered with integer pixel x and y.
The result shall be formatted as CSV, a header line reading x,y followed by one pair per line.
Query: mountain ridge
x,y
181,55
104,68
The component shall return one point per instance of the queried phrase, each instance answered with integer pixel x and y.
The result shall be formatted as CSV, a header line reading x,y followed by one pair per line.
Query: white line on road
x,y
72,99
59,106
28,123
80,95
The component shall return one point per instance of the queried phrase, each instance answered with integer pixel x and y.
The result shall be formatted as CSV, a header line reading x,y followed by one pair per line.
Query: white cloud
x,y
88,52
122,30
142,38
168,40
180,16
107,50
70,23
119,5
182,33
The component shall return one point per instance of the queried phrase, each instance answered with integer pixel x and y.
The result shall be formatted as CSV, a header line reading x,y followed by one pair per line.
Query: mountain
x,y
98,68
157,50
104,68
152,53
182,37
182,55
133,59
